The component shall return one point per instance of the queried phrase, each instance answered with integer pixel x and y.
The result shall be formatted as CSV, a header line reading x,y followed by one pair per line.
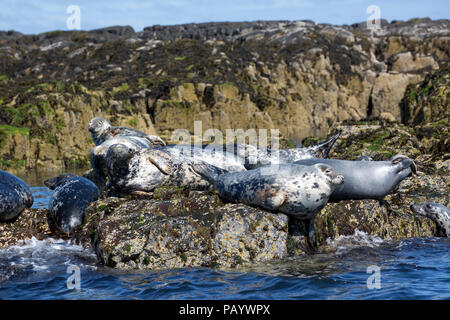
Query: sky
x,y
36,16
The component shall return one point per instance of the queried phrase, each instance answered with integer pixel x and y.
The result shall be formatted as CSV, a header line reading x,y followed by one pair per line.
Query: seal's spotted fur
x,y
70,199
147,169
436,212
15,196
101,131
300,191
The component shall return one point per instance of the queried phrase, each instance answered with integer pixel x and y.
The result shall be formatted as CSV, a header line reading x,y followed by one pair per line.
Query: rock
x,y
387,93
405,62
190,231
295,76
31,223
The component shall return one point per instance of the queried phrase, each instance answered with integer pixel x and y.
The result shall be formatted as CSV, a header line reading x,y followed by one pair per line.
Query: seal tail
x,y
209,172
322,149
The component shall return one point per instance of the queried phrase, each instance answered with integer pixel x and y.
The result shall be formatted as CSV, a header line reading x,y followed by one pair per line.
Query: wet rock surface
x,y
194,229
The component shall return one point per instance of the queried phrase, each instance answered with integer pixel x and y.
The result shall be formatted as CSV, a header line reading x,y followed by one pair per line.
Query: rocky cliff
x,y
296,76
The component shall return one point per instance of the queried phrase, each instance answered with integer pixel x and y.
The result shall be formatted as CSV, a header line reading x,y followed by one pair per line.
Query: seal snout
x,y
405,164
97,125
418,209
334,177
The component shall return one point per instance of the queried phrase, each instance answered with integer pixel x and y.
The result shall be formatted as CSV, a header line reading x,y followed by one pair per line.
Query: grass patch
x,y
12,163
6,129
4,78
124,87
132,122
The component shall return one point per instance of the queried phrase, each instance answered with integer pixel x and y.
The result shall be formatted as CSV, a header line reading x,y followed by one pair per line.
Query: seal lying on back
x,y
255,157
241,157
367,179
299,191
436,212
101,131
15,196
147,169
70,199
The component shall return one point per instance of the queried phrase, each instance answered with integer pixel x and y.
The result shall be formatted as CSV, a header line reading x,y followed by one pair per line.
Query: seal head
x,y
101,131
70,199
367,179
437,212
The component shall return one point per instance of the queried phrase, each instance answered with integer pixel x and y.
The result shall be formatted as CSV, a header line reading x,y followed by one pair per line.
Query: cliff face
x,y
298,77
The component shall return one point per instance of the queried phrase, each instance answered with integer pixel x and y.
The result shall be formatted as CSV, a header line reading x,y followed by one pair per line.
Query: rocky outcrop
x,y
295,76
179,228
193,229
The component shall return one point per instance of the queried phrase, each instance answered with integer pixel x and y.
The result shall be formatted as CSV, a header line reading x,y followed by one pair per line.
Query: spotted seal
x,y
98,153
15,196
436,212
71,196
101,130
241,157
299,191
146,169
254,157
367,179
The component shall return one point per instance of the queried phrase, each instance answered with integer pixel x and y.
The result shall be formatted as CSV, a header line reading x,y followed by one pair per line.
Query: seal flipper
x,y
310,238
322,149
161,160
155,141
275,201
208,171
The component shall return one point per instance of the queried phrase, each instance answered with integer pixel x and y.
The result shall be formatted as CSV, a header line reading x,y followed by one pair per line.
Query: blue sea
x,y
359,267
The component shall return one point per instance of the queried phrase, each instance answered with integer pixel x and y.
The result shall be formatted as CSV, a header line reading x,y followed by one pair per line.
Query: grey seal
x,y
71,196
101,130
255,157
367,179
436,212
234,157
241,157
98,153
15,196
299,191
146,169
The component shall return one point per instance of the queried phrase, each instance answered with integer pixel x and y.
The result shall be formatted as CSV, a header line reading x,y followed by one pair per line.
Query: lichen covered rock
x,y
194,230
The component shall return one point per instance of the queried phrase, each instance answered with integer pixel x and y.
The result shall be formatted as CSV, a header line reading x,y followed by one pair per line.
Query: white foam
x,y
45,255
359,238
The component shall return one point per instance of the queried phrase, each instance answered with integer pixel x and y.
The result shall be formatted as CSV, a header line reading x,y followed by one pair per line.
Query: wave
x,y
35,258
